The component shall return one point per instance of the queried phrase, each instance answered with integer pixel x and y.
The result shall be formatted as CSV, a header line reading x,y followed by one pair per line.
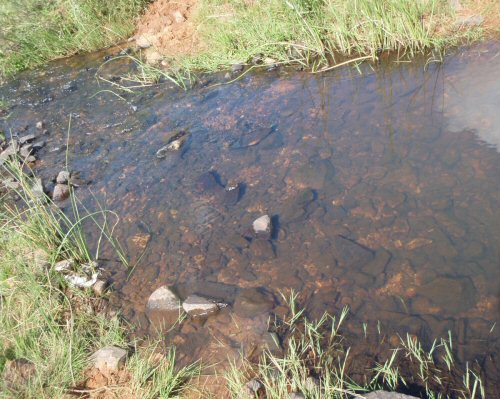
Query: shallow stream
x,y
382,184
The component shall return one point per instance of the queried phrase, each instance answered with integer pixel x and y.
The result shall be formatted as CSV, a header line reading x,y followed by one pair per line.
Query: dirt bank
x,y
167,29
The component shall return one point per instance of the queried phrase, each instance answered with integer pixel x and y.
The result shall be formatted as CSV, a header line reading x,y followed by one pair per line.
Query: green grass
x,y
35,31
51,324
316,32
316,360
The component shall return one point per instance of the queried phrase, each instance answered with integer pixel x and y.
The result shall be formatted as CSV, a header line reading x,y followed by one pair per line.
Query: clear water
x,y
383,188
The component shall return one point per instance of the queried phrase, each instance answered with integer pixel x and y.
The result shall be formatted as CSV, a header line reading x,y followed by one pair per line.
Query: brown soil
x,y
169,27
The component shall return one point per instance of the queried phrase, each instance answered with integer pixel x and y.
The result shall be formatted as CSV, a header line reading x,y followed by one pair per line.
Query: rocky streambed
x,y
377,191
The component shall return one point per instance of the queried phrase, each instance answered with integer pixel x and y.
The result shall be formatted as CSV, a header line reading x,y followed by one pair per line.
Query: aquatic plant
x,y
315,363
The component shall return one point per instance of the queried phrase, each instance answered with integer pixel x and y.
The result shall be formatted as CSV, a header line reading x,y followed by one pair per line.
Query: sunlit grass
x,y
315,32
35,31
315,364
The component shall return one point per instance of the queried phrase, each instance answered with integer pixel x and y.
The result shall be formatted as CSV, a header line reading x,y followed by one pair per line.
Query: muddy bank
x,y
380,188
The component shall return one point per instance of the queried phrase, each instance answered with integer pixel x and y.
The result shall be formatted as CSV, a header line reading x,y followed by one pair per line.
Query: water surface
x,y
382,187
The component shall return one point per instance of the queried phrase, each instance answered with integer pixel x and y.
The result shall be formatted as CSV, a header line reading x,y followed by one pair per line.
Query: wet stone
x,y
349,253
377,266
163,299
251,303
207,183
232,195
271,342
196,305
296,208
250,136
262,225
314,173
452,295
25,151
176,141
63,177
109,358
262,249
61,192
387,395
26,139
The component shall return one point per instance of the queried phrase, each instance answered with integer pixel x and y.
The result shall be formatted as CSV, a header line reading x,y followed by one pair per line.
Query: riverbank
x,y
59,337
208,35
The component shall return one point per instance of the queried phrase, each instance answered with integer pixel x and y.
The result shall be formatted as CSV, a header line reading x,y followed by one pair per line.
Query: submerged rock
x,y
207,183
196,305
450,294
262,249
298,207
252,136
349,253
271,342
252,302
232,195
174,144
314,174
163,299
109,358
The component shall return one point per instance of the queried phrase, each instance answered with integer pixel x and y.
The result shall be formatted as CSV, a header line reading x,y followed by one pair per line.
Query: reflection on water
x,y
382,188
